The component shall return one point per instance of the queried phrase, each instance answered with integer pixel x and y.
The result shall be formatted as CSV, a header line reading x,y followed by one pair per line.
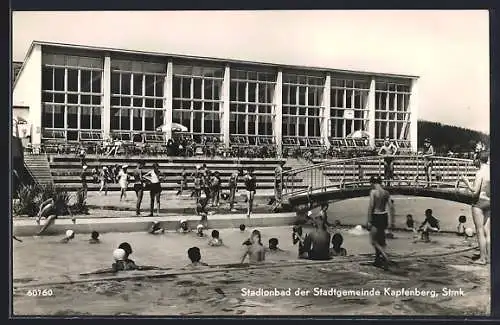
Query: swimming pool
x,y
193,294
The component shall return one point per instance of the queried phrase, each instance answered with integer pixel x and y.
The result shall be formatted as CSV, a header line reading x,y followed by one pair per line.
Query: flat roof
x,y
210,59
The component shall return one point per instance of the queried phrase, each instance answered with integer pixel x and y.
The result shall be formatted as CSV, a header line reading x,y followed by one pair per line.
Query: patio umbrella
x,y
176,127
359,134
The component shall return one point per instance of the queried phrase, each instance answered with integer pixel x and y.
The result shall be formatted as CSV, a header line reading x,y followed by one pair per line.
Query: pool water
x,y
43,257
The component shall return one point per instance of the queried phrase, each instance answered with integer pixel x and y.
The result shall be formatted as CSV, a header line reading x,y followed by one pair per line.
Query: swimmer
x,y
430,224
317,242
199,231
233,188
379,208
94,238
242,227
273,245
70,234
184,228
410,223
298,237
194,255
215,240
337,249
255,250
428,161
156,228
461,225
128,263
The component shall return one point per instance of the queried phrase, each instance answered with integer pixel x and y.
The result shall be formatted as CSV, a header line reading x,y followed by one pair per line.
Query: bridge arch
x,y
349,178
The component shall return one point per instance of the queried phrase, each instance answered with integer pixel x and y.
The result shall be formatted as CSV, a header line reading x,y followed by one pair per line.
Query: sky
x,y
448,49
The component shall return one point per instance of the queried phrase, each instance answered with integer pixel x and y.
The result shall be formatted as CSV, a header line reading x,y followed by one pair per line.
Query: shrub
x,y
31,196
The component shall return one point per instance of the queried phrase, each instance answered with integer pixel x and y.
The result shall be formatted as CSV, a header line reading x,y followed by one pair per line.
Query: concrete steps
x,y
38,166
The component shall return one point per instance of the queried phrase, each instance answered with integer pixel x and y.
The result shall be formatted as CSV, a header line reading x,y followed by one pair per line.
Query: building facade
x,y
73,89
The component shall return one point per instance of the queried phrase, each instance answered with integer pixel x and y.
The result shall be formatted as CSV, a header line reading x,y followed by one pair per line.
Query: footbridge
x,y
349,178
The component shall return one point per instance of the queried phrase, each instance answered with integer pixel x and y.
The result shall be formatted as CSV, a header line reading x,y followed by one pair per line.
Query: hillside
x,y
446,137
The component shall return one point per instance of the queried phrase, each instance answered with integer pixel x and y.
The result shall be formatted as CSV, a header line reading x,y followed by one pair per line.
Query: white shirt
x,y
154,177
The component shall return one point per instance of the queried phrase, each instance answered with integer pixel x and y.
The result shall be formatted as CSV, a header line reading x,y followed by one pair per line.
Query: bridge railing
x,y
407,170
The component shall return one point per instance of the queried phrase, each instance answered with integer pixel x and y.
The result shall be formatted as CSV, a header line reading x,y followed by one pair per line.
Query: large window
x,y
71,94
302,107
251,104
137,95
348,106
197,99
392,117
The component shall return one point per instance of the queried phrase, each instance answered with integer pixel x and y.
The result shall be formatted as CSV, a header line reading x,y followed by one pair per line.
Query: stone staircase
x,y
38,167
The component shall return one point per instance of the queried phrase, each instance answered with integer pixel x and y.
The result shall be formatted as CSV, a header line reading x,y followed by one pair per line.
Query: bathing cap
x,y
119,254
309,213
359,227
104,167
69,233
183,221
469,232
125,166
85,166
198,227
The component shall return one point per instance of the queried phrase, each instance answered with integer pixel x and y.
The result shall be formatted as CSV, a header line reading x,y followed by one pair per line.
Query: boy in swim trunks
x,y
183,182
430,224
378,220
388,151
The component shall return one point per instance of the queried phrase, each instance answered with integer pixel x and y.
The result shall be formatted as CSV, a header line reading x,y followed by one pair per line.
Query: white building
x,y
70,90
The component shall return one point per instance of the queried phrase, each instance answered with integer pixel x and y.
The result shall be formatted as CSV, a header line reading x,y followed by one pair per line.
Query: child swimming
x,y
70,234
194,255
156,228
461,225
184,228
199,230
337,249
273,245
215,240
94,238
430,224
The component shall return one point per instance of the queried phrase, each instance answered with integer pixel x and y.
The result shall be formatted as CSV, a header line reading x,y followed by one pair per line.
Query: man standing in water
x,y
139,186
388,151
317,242
379,208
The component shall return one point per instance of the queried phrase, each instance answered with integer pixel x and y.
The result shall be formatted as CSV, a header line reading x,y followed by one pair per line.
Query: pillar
x,y
226,113
278,111
326,103
106,97
34,67
167,100
371,112
413,110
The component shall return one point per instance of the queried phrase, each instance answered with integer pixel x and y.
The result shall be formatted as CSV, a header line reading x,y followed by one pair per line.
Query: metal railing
x,y
407,170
